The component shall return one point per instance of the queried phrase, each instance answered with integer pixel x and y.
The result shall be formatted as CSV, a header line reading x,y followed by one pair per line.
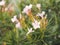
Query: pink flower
x,y
27,9
36,24
14,19
2,2
29,31
41,14
18,25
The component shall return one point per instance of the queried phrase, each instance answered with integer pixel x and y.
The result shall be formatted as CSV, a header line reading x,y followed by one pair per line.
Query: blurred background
x,y
8,33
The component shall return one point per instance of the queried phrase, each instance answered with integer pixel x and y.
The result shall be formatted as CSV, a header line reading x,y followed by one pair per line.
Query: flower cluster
x,y
6,8
41,23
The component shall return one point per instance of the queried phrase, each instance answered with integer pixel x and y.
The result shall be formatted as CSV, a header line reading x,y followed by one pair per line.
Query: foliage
x,y
50,35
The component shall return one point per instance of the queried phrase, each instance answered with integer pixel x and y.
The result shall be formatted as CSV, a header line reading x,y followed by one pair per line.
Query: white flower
x,y
38,6
36,24
2,2
14,19
29,31
27,8
18,25
41,14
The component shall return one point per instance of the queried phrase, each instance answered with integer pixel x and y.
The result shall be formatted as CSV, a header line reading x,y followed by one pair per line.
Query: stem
x,y
56,19
44,42
1,13
42,36
17,36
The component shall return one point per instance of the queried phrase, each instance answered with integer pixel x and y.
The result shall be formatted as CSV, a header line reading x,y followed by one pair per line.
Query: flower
x,y
2,3
27,9
14,19
10,7
18,25
41,14
29,31
38,6
36,24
